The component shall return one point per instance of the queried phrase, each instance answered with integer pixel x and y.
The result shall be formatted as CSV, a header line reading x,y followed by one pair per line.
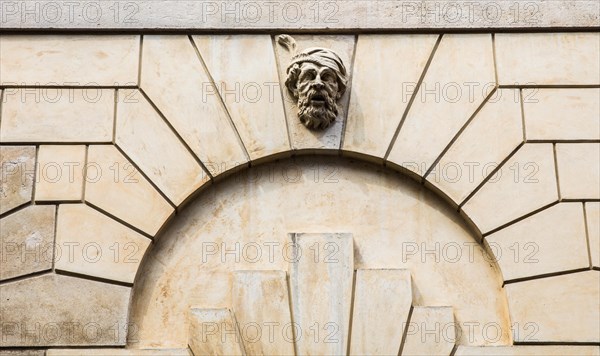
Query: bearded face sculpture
x,y
317,79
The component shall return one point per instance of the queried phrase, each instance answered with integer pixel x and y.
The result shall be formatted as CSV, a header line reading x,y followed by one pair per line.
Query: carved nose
x,y
318,84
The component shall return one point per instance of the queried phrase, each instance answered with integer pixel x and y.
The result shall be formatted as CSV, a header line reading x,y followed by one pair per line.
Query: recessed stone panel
x,y
53,310
71,60
27,238
17,174
174,78
57,115
387,69
245,73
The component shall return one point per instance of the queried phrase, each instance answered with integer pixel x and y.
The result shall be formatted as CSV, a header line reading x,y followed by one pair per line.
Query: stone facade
x,y
159,195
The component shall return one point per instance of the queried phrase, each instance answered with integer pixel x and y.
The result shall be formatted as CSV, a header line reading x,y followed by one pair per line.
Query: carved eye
x,y
308,75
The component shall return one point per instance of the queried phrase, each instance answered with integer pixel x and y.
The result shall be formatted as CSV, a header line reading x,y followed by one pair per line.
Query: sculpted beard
x,y
317,110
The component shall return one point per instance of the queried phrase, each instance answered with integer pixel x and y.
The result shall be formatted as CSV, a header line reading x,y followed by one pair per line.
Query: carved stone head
x,y
317,79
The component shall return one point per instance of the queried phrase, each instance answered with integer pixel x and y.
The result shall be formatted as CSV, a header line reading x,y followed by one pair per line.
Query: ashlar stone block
x,y
16,176
60,172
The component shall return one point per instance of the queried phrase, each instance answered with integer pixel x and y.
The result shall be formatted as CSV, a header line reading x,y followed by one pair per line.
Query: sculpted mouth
x,y
318,99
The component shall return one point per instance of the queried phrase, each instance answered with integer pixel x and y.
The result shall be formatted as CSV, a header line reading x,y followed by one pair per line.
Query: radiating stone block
x,y
459,78
57,115
174,78
527,350
592,210
262,311
547,58
385,66
53,310
114,185
537,244
27,238
556,309
144,136
244,70
526,182
301,138
60,172
578,170
323,263
430,331
16,176
382,301
91,243
214,332
493,134
73,60
562,114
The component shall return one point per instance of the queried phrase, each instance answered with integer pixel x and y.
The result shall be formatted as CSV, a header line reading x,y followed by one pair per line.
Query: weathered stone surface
x,y
547,59
592,211
174,78
562,114
348,15
244,70
324,317
27,238
24,352
556,309
16,175
430,331
60,174
214,332
73,60
114,185
382,300
481,147
144,136
118,352
578,170
459,78
387,67
91,243
262,310
60,115
528,350
57,310
526,182
300,137
537,244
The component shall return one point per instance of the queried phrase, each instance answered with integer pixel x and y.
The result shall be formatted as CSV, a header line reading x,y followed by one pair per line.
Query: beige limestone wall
x,y
106,138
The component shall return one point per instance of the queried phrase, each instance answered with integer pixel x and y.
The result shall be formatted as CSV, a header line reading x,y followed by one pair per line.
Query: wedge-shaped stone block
x,y
114,185
592,211
578,170
301,138
528,350
174,78
385,66
73,60
430,331
382,299
144,136
214,332
60,172
547,59
27,238
262,311
562,114
492,135
526,182
118,352
459,78
52,310
244,70
324,263
16,176
538,244
59,115
556,309
93,244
